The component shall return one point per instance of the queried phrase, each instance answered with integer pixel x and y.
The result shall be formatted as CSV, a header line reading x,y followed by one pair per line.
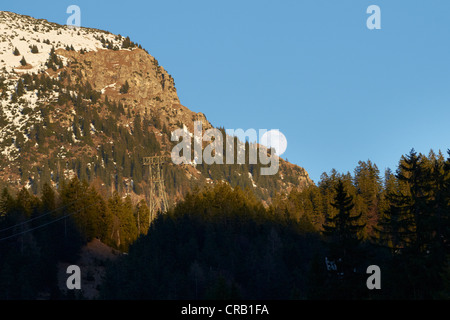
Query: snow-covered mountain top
x,y
24,32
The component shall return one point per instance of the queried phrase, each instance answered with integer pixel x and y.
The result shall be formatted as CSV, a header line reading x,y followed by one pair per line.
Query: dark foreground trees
x,y
222,243
416,226
341,229
36,233
217,244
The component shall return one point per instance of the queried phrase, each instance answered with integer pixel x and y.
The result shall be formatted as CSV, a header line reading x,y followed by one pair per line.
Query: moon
x,y
275,139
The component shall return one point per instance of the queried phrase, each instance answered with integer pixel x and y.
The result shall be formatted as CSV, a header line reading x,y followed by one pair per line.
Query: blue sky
x,y
338,91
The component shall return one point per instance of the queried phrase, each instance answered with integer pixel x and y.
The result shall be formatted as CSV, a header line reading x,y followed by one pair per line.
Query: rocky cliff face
x,y
89,103
151,91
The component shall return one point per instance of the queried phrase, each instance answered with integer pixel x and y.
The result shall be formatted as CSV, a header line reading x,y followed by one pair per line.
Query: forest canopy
x,y
221,242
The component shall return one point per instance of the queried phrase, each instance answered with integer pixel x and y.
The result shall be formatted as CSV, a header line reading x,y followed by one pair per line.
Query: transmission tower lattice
x,y
158,195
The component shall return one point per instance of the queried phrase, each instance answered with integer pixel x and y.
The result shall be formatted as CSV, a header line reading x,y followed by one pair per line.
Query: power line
x,y
42,215
46,224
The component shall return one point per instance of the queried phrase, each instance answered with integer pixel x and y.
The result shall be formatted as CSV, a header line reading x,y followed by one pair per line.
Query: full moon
x,y
275,139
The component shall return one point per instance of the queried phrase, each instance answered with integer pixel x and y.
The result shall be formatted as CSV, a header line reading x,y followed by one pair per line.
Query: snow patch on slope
x,y
22,32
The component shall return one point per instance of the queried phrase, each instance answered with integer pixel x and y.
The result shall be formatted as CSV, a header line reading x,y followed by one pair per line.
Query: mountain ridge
x,y
92,104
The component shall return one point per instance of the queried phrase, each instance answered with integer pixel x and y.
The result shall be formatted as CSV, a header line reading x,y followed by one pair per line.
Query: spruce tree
x,y
142,215
343,227
48,198
368,186
342,230
23,62
124,230
440,202
414,223
20,88
409,210
127,43
125,87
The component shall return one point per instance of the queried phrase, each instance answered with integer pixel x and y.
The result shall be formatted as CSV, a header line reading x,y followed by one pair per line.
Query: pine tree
x,y
414,223
383,234
409,210
16,52
124,229
48,198
23,62
127,43
125,87
76,128
25,202
368,186
342,230
440,201
20,88
6,204
142,215
343,227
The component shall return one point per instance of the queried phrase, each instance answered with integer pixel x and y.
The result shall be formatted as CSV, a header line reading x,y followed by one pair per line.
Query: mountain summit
x,y
85,102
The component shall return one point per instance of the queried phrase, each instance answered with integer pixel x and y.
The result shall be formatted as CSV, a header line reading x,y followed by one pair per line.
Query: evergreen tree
x,y
368,186
124,225
125,88
48,198
414,224
440,202
127,43
23,62
6,204
408,212
342,231
20,88
142,215
343,227
73,233
34,49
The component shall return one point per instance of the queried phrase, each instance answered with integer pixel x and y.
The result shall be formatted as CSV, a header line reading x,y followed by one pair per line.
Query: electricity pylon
x,y
158,195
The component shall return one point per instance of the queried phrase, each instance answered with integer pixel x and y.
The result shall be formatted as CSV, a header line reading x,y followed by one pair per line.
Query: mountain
x,y
84,102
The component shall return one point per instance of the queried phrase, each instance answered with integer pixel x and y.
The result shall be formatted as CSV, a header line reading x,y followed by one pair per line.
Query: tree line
x,y
38,232
221,242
